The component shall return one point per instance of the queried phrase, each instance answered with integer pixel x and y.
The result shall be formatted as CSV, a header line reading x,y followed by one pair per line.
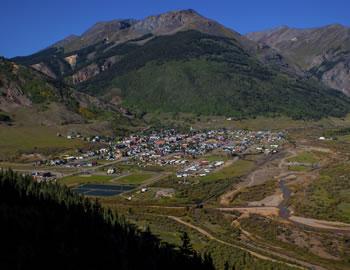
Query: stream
x,y
284,211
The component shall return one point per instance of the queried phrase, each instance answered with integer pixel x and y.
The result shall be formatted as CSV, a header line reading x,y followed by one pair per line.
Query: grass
x,y
134,178
327,197
305,157
237,169
344,208
205,188
344,138
16,140
85,179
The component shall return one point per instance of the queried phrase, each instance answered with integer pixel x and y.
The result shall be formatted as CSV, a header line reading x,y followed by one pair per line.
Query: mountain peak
x,y
122,30
184,11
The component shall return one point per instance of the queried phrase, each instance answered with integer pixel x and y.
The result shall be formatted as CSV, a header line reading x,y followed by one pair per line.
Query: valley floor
x,y
288,210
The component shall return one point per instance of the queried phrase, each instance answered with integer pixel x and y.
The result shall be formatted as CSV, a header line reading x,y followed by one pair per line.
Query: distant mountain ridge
x,y
323,52
182,61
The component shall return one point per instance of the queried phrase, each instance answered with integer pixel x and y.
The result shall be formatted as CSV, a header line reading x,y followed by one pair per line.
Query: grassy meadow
x,y
17,140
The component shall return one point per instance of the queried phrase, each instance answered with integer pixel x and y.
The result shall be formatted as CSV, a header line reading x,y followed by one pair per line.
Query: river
x,y
284,211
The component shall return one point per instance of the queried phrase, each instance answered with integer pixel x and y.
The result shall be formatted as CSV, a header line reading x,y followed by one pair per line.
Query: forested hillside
x,y
47,226
199,73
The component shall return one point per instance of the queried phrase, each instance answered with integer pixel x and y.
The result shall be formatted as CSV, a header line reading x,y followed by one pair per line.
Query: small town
x,y
183,151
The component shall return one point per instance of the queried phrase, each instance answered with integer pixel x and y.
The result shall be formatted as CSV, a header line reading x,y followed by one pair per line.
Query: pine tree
x,y
186,246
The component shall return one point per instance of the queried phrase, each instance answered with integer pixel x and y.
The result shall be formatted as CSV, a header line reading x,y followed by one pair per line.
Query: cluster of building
x,y
169,147
255,141
159,144
200,168
87,159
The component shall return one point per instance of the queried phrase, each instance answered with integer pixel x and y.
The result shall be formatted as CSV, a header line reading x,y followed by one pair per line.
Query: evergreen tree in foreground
x,y
46,226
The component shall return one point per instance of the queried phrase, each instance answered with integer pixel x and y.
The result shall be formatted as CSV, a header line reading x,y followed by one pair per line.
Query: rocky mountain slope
x,y
322,52
25,90
23,86
182,61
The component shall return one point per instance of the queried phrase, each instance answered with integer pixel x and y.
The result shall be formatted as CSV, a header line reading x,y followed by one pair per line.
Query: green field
x,y
134,178
16,140
85,179
237,169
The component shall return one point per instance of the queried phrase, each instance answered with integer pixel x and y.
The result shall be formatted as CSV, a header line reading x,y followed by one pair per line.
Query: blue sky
x,y
27,26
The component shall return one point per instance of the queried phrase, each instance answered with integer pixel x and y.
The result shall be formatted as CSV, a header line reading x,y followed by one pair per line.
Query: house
x,y
111,171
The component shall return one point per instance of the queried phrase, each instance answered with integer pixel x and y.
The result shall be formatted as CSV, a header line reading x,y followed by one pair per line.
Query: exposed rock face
x,y
324,51
338,77
43,68
93,70
72,60
86,73
12,97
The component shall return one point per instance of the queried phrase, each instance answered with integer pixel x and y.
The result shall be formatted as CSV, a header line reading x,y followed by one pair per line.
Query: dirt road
x,y
292,261
321,224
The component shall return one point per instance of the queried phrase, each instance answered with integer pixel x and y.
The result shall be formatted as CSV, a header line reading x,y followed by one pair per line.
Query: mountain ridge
x,y
203,59
323,52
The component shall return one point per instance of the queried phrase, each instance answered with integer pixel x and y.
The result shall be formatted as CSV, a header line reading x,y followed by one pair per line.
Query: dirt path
x,y
321,224
283,161
293,262
263,210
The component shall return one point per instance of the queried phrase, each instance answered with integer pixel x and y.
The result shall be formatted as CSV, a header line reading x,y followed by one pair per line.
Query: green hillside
x,y
195,72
